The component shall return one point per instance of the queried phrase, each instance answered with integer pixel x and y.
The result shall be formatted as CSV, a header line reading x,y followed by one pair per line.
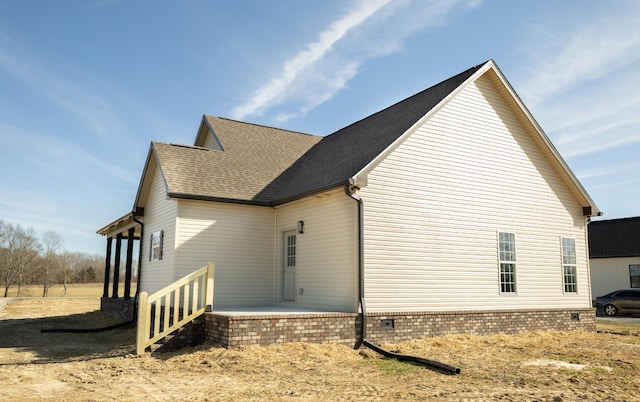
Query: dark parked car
x,y
620,301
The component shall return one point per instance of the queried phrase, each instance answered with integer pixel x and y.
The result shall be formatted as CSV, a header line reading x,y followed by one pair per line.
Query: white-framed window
x,y
155,247
634,275
507,261
569,278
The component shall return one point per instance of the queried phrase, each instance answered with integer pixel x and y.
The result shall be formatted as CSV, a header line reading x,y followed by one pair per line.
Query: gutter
x,y
350,190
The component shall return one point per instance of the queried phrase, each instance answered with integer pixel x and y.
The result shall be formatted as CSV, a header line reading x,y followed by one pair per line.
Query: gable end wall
x,y
434,206
160,214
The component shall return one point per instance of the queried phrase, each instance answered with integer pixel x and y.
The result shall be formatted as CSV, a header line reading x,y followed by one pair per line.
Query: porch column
x,y
116,266
107,268
127,275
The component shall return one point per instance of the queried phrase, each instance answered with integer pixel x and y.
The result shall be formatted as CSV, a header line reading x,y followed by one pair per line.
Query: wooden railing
x,y
172,307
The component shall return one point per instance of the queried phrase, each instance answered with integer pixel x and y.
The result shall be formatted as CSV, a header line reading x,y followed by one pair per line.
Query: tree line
x,y
26,259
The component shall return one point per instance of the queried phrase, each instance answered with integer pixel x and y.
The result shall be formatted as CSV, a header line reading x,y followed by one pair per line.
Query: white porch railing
x,y
174,306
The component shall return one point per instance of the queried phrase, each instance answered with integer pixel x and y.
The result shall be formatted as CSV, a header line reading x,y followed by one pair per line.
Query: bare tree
x,y
19,250
51,244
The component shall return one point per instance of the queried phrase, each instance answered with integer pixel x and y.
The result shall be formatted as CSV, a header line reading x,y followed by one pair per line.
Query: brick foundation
x,y
191,334
118,307
344,328
234,331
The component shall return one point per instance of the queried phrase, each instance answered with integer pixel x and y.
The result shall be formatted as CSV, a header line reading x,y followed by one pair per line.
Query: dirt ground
x,y
535,366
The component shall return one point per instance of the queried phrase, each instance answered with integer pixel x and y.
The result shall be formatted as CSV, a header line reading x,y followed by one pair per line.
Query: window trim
x,y
513,262
157,238
634,276
564,265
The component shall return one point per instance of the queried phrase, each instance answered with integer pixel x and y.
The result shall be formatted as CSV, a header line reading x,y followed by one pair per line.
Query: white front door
x,y
289,266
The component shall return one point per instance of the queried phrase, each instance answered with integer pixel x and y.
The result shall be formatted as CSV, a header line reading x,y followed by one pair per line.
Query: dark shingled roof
x,y
267,166
614,238
341,155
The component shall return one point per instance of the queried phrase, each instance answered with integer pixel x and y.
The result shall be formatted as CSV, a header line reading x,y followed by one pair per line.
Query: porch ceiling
x,y
121,225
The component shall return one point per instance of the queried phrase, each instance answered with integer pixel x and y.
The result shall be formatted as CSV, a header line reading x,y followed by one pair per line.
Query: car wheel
x,y
610,310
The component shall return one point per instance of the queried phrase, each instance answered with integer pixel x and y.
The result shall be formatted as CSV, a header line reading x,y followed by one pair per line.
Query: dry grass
x,y
619,327
542,366
73,290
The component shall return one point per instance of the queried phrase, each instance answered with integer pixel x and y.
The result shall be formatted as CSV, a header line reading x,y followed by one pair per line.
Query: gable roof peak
x,y
344,153
456,78
213,118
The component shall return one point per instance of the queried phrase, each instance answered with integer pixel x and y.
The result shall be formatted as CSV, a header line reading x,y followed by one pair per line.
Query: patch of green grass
x,y
536,381
392,366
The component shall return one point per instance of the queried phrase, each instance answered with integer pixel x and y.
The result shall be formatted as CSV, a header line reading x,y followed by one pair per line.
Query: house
x,y
614,254
449,211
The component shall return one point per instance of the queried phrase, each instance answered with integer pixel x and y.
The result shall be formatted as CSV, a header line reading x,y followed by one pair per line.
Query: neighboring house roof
x,y
268,166
614,238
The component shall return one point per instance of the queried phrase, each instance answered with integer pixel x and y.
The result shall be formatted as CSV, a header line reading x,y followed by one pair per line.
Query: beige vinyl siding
x,y
159,215
609,274
211,141
326,266
434,207
238,239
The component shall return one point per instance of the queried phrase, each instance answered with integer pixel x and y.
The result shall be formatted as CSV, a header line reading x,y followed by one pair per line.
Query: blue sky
x,y
86,85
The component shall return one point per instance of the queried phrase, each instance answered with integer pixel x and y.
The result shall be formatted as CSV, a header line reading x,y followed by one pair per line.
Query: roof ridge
x,y
409,98
181,145
340,155
263,125
190,146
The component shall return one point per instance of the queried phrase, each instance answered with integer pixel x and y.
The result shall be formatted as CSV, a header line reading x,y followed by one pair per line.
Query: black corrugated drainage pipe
x,y
350,190
86,330
436,365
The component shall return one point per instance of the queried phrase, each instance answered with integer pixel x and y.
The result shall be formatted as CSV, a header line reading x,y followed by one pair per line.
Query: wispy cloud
x,y
89,107
324,67
601,116
613,170
42,212
582,78
57,156
567,56
612,185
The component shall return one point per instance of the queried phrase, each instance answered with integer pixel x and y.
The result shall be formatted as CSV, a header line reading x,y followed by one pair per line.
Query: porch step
x,y
191,334
163,345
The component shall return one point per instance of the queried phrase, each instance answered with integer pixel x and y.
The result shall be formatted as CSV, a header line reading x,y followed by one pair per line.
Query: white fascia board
x,y
360,178
144,177
595,211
